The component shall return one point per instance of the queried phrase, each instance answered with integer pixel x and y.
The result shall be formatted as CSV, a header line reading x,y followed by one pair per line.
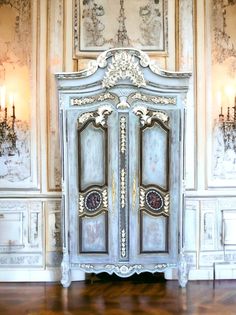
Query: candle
x,y
3,96
229,91
11,102
218,99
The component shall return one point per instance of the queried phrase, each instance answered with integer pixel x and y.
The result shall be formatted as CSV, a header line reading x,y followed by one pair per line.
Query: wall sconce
x,y
228,127
8,135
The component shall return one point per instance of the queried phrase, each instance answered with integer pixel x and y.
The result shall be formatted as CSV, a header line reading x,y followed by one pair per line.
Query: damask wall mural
x,y
223,47
102,24
15,91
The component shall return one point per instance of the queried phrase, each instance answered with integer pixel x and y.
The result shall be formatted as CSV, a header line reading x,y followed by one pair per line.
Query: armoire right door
x,y
154,177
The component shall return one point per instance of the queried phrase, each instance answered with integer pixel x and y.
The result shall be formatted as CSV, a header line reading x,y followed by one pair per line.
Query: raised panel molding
x,y
22,223
53,233
55,63
203,235
19,46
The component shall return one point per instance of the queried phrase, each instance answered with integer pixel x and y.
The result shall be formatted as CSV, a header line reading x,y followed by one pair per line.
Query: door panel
x,y
152,220
154,162
93,184
153,231
93,156
94,234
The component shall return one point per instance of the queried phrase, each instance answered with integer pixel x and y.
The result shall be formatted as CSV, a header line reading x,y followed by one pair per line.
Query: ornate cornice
x,y
123,66
125,63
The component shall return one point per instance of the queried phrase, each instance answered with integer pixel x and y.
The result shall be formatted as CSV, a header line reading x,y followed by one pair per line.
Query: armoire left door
x,y
92,144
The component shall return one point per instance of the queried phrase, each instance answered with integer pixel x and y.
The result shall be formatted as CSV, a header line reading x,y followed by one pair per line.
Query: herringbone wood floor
x,y
110,296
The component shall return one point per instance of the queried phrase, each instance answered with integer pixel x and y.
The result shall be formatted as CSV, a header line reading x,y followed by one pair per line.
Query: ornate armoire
x,y
122,143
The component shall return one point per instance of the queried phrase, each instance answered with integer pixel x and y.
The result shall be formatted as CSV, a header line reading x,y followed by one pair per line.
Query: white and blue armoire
x,y
122,143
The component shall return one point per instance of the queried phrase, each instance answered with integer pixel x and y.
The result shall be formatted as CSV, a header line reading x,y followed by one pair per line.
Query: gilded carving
x,y
93,201
99,116
123,66
82,101
167,204
123,243
124,269
85,117
87,267
161,266
164,207
142,198
122,188
163,100
123,135
123,105
146,116
90,100
81,204
104,198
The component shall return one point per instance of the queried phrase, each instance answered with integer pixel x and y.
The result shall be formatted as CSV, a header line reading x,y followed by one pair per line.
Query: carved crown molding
x,y
125,63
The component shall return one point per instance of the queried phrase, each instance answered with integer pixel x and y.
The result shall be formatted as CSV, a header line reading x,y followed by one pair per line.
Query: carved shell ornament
x,y
123,66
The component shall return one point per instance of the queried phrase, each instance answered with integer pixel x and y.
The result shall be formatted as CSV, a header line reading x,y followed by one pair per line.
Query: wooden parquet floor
x,y
109,296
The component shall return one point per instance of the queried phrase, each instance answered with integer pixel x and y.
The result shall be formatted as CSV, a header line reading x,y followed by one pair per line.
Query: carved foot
x,y
65,271
182,270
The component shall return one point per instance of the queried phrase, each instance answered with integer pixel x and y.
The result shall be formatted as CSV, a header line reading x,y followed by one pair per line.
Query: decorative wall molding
x,y
21,224
53,226
18,64
21,260
55,63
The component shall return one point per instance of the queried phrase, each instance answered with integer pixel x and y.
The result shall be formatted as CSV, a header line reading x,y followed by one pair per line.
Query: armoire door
x,y
93,184
153,185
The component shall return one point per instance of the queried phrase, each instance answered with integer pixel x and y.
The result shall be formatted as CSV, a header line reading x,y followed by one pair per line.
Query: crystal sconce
x,y
227,124
8,135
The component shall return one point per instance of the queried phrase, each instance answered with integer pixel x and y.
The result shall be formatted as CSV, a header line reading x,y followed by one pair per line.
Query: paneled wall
x,y
215,180
39,38
32,48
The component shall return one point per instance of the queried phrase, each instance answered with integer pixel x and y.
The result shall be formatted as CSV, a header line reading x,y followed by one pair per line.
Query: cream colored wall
x,y
33,253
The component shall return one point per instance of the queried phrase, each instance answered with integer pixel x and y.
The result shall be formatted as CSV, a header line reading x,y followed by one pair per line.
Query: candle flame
x,y
3,96
218,98
11,99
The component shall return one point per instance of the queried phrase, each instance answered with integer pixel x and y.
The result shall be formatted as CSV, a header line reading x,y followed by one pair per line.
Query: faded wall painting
x,y
104,24
15,92
223,91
